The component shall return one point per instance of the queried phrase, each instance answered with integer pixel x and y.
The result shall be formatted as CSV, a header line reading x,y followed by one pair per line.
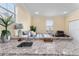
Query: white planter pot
x,y
5,39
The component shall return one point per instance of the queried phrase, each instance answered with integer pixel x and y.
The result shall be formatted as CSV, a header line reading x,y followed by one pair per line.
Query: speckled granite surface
x,y
55,48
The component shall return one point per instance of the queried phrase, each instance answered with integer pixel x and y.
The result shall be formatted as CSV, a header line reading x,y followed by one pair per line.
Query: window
x,y
49,24
7,9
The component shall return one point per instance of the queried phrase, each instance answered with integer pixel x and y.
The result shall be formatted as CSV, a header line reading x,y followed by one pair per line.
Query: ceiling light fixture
x,y
65,12
37,13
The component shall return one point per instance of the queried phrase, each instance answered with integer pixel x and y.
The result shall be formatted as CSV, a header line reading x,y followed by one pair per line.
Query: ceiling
x,y
51,9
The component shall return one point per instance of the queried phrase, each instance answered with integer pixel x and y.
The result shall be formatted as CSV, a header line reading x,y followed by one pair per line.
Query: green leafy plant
x,y
5,22
33,28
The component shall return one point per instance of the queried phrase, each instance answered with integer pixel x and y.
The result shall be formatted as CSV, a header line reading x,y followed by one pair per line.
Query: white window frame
x,y
49,25
9,12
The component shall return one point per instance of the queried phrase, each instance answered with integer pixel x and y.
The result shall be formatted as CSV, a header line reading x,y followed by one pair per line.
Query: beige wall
x,y
40,23
23,16
59,23
70,17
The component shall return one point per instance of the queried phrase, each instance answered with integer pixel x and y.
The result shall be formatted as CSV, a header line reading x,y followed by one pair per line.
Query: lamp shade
x,y
18,26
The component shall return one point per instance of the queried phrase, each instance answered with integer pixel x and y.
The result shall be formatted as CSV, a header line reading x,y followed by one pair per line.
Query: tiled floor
x,y
57,47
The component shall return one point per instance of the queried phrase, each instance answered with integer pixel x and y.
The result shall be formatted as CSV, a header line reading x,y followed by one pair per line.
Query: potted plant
x,y
5,22
33,30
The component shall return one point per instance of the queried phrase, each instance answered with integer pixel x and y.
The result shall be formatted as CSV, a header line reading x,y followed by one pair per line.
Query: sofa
x,y
61,34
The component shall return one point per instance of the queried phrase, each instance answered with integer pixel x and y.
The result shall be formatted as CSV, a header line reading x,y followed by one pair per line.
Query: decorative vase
x,y
5,38
5,22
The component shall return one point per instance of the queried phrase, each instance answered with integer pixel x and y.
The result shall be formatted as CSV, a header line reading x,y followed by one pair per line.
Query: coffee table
x,y
19,38
48,40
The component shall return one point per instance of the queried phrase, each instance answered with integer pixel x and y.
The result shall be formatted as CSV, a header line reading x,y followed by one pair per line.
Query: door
x,y
74,29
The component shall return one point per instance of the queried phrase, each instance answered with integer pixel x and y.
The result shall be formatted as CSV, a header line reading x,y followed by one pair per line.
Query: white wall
x,y
72,24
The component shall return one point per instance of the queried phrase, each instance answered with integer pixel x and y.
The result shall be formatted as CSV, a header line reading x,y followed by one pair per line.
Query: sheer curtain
x,y
49,26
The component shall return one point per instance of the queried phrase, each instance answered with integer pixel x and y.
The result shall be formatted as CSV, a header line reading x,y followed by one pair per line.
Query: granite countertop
x,y
56,48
